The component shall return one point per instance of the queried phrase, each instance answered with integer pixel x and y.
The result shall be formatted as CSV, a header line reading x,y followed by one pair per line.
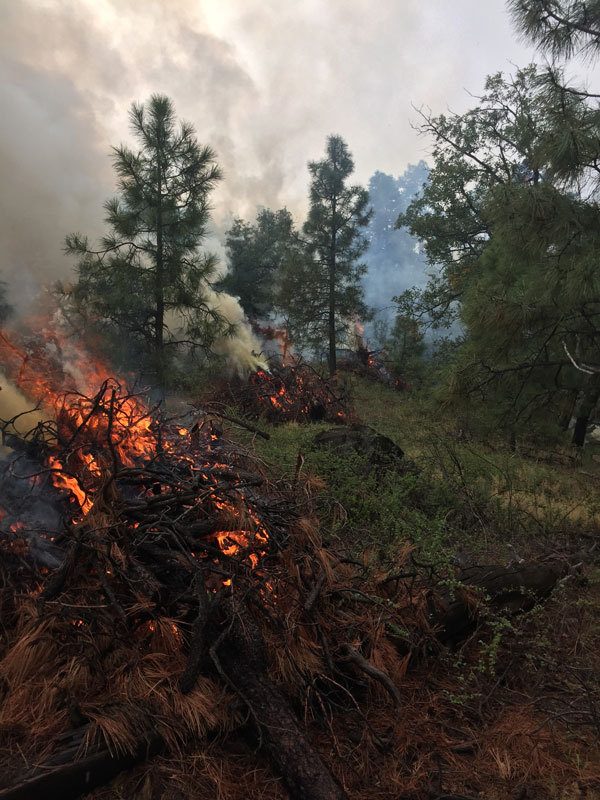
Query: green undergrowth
x,y
470,494
363,506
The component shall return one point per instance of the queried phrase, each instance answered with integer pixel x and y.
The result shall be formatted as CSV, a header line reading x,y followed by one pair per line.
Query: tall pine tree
x,y
148,267
335,243
516,235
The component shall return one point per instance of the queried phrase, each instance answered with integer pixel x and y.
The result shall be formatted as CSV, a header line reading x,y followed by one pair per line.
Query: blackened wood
x,y
55,584
70,781
198,645
510,589
240,658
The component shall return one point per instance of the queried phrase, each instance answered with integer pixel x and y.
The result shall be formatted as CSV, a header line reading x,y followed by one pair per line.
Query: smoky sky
x,y
263,81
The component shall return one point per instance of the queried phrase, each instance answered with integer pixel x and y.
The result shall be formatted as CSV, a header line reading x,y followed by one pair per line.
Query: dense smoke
x,y
394,259
242,351
263,83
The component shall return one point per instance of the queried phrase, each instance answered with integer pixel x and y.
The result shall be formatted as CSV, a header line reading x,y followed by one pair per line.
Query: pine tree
x,y
499,142
256,254
332,292
406,345
148,266
516,235
561,28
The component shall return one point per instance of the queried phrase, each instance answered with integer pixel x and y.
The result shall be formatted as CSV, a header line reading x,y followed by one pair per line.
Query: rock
x,y
361,439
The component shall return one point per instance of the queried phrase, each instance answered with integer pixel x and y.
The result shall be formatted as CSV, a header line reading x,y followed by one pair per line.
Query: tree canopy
x,y
560,28
256,255
514,230
309,280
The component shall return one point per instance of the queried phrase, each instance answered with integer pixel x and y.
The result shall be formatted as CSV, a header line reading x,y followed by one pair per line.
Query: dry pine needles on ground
x,y
187,614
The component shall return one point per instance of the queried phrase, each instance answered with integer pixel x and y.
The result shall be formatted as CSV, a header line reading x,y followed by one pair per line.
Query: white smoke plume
x,y
242,350
263,82
15,406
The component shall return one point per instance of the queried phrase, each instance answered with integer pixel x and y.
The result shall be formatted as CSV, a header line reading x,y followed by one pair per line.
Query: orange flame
x,y
90,408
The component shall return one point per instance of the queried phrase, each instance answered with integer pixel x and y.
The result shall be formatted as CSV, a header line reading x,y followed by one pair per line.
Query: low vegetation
x,y
523,691
464,492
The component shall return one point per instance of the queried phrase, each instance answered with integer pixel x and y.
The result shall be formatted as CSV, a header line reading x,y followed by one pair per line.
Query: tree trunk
x,y
159,289
240,658
567,409
587,404
332,353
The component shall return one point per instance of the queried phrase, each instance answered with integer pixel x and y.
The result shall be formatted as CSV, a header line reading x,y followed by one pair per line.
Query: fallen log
x,y
72,780
512,590
240,658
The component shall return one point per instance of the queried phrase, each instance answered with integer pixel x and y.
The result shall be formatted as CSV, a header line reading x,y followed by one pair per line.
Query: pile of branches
x,y
371,364
293,392
197,623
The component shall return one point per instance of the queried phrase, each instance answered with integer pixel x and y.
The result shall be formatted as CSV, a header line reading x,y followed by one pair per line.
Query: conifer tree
x,y
256,254
516,234
335,243
561,28
149,266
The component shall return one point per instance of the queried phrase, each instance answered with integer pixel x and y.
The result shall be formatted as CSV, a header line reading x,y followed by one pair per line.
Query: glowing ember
x,y
293,392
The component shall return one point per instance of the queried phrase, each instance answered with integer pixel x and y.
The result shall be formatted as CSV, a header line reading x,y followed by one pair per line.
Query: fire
x,y
279,335
233,541
95,428
294,393
63,481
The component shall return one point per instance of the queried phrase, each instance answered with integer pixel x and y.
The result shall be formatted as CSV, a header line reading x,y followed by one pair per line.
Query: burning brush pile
x,y
165,606
293,392
371,364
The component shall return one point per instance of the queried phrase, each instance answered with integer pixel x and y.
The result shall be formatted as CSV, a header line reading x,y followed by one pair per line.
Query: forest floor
x,y
521,699
506,709
472,495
